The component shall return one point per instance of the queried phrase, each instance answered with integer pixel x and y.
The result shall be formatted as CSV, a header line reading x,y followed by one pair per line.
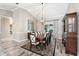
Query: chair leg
x,y
30,46
36,46
45,45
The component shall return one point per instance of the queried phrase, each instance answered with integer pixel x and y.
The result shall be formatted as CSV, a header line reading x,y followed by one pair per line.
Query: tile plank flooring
x,y
11,48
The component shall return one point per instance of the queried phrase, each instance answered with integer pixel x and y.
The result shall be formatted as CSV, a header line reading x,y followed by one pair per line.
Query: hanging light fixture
x,y
17,3
42,18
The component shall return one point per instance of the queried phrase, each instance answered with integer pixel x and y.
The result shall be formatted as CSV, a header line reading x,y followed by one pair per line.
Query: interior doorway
x,y
52,26
6,24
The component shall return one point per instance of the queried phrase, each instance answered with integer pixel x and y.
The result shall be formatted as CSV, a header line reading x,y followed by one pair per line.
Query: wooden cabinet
x,y
70,27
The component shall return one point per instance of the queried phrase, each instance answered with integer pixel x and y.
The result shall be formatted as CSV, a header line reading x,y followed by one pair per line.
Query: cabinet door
x,y
71,43
71,24
71,29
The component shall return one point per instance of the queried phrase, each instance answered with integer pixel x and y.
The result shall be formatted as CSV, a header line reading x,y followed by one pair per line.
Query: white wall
x,y
0,27
5,13
19,28
20,24
5,28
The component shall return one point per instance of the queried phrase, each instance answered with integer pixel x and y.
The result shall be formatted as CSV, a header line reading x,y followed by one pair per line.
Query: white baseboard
x,y
20,40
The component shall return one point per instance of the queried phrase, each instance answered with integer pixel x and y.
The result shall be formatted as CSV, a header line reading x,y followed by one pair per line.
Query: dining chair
x,y
36,34
33,41
48,38
44,42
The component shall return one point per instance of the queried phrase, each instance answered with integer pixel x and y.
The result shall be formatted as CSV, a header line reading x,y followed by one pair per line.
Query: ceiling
x,y
8,6
12,6
50,10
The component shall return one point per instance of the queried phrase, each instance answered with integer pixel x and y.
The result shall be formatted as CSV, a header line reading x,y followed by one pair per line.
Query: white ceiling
x,y
11,6
8,6
50,10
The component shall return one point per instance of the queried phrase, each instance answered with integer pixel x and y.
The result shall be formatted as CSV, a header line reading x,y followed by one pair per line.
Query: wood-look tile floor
x,y
11,48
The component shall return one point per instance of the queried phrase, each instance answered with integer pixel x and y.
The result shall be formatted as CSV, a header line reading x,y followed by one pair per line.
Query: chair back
x,y
48,39
47,35
32,39
36,34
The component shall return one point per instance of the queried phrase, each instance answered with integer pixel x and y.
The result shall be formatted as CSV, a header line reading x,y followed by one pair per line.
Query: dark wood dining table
x,y
40,38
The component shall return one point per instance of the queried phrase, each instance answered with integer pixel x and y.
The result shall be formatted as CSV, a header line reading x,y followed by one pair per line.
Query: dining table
x,y
41,40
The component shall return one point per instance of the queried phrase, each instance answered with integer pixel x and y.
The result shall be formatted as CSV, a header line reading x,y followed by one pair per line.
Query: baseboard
x,y
19,40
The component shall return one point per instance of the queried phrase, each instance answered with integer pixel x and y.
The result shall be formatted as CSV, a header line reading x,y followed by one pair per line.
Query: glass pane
x,y
70,26
70,20
73,24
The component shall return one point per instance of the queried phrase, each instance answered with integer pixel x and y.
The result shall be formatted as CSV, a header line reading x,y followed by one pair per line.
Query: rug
x,y
45,52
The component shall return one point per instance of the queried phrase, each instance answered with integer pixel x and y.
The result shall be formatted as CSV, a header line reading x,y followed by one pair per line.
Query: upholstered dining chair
x,y
48,38
33,41
44,42
36,34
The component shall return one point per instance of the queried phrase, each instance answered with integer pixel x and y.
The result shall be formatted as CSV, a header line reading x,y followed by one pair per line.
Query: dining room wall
x,y
5,28
0,27
39,26
20,24
4,13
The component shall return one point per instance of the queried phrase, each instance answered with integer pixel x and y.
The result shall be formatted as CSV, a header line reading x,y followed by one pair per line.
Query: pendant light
x,y
42,18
